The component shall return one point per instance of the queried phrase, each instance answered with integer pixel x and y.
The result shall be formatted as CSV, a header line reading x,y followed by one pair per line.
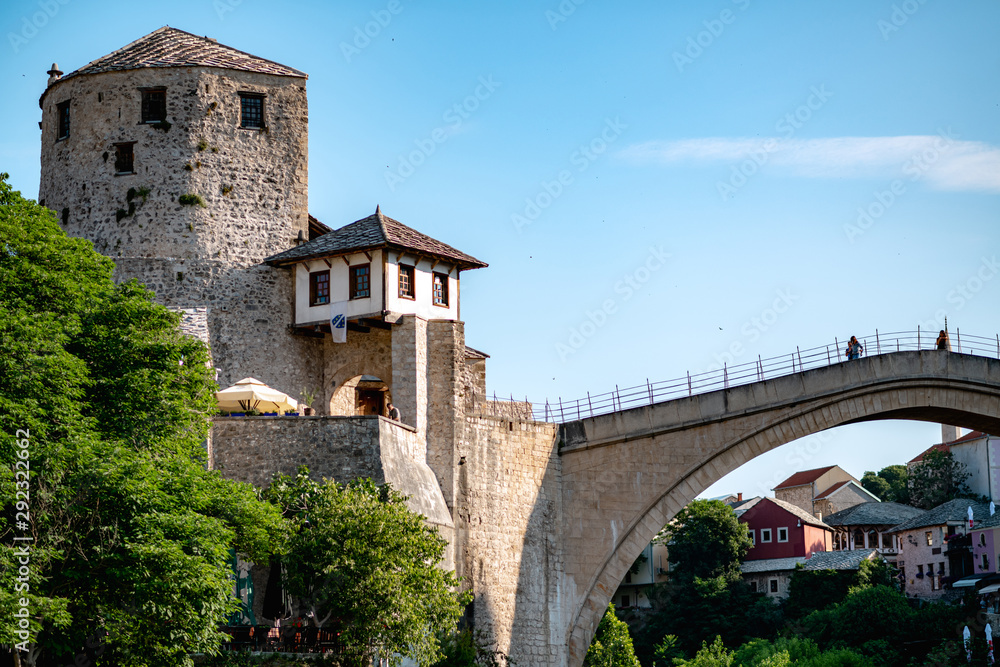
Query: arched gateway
x,y
626,474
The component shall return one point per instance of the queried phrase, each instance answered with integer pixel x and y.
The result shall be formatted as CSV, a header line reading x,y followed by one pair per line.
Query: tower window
x,y
252,111
406,281
62,113
154,105
440,290
361,281
124,158
319,288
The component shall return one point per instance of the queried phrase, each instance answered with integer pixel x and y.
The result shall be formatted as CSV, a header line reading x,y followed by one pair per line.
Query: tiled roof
x,y
953,510
839,560
375,231
946,446
170,47
804,477
770,564
799,512
873,514
740,508
473,353
831,490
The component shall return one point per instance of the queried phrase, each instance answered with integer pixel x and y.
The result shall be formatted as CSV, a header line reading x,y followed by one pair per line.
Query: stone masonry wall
x,y
363,354
446,400
508,519
409,370
800,496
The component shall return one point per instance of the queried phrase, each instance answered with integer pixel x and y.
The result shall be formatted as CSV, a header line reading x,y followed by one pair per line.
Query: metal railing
x,y
758,370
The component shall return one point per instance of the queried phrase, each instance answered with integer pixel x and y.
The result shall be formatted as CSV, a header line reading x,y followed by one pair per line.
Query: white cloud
x,y
945,163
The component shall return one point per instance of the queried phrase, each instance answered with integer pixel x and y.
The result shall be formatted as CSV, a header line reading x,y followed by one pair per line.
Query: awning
x,y
971,580
992,588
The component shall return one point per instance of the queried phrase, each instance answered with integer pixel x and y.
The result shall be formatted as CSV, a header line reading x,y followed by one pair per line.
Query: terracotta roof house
x,y
823,491
867,526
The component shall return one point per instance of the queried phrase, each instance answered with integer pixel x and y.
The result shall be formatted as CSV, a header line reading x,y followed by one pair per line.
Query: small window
x,y
319,288
252,111
982,539
930,538
62,114
65,217
361,281
986,563
920,570
941,568
774,585
628,577
782,534
441,290
886,541
124,158
753,538
625,601
753,586
154,105
765,535
406,282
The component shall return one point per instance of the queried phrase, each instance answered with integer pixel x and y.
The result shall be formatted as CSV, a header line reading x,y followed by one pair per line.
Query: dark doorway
x,y
370,402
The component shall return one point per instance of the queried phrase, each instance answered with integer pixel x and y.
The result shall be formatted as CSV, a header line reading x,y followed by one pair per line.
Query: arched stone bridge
x,y
625,475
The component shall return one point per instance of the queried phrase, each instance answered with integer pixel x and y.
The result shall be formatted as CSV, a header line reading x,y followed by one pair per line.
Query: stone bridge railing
x,y
561,411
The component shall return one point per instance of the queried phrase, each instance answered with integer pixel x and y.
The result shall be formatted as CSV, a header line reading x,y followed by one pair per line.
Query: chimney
x,y
818,515
950,433
54,74
739,497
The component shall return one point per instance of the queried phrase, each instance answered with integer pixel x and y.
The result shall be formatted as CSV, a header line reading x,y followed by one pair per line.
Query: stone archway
x,y
360,395
625,475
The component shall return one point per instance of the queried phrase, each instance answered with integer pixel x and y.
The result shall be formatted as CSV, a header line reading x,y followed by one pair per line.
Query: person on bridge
x,y
942,341
854,349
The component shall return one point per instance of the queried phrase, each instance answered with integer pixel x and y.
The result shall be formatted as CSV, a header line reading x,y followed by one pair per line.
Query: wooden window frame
x,y
118,158
768,531
147,107
354,271
63,116
441,302
411,273
244,115
778,535
314,292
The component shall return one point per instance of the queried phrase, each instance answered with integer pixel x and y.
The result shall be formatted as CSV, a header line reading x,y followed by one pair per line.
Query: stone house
x,y
934,549
186,162
823,491
773,576
867,526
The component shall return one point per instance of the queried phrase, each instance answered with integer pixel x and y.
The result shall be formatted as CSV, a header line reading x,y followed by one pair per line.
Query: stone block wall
x,y
800,496
446,400
363,354
508,521
409,370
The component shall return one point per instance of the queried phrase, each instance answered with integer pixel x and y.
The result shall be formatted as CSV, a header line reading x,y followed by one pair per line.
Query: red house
x,y
782,530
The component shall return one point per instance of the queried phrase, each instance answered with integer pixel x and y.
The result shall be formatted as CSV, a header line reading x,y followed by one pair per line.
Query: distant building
x,y
823,491
868,526
782,530
772,576
934,547
632,592
980,453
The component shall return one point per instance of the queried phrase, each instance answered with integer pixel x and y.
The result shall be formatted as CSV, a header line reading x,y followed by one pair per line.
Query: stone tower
x,y
186,161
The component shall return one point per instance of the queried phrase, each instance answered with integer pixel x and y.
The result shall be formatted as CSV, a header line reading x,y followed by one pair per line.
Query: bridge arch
x,y
626,474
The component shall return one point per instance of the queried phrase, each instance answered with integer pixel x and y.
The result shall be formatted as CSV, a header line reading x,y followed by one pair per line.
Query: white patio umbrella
x,y
989,643
252,394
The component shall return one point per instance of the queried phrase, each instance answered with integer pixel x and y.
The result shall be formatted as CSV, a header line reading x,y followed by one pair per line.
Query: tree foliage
x,y
890,484
130,533
937,479
361,561
706,541
612,644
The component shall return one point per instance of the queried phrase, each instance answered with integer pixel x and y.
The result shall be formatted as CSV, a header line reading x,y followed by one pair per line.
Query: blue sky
x,y
843,158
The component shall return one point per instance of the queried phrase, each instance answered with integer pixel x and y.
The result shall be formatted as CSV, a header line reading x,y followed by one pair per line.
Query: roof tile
x,y
804,477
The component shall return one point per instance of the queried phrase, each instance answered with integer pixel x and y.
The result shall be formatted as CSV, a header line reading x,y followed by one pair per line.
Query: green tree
x,y
107,400
890,484
706,540
937,479
612,644
361,560
468,648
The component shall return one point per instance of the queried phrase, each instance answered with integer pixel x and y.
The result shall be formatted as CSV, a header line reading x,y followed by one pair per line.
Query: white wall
x,y
421,304
339,288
